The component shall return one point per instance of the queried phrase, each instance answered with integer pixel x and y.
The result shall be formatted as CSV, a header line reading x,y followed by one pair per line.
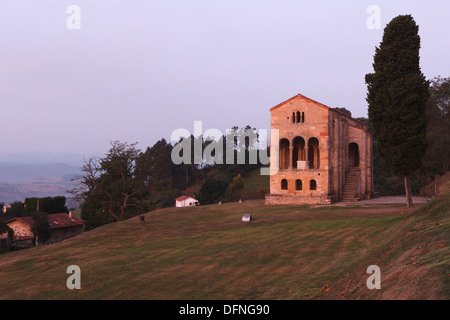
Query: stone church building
x,y
319,155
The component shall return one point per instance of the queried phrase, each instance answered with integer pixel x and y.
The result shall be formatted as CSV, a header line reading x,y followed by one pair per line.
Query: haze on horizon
x,y
136,70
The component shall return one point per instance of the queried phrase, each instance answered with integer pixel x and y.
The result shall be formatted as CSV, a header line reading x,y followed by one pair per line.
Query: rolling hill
x,y
15,172
19,181
207,252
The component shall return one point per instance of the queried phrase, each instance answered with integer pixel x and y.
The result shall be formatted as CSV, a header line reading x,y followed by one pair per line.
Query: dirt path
x,y
384,200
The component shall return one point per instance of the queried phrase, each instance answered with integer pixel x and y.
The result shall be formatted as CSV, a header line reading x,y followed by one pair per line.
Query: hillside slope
x,y
413,256
207,252
255,184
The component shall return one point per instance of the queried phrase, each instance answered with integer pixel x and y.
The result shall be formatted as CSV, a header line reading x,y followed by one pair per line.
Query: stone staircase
x,y
351,182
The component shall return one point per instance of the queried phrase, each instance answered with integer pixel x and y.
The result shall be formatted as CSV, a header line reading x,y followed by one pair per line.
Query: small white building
x,y
185,201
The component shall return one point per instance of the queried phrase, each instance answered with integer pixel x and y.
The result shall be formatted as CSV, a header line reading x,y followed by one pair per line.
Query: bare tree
x,y
112,178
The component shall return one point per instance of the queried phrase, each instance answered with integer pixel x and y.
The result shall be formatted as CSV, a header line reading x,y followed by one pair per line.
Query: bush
x,y
40,227
213,190
234,191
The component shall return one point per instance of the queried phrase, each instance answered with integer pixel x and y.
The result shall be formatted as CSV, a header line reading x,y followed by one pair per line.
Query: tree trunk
x,y
409,202
170,183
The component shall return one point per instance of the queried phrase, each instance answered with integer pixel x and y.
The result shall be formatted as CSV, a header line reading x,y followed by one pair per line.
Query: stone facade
x,y
62,226
319,155
23,237
22,229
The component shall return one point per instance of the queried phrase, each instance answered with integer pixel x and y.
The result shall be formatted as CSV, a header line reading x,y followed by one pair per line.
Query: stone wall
x,y
20,229
334,132
292,199
313,125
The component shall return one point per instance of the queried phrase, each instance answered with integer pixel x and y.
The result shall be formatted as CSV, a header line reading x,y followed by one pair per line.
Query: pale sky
x,y
137,70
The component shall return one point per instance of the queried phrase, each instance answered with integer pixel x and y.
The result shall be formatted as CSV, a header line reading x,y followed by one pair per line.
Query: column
x,y
306,156
291,155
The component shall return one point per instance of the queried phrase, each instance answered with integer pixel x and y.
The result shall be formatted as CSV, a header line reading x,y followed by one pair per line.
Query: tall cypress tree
x,y
397,93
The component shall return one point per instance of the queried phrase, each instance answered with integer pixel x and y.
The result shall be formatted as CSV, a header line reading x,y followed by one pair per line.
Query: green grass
x,y
414,257
253,181
207,252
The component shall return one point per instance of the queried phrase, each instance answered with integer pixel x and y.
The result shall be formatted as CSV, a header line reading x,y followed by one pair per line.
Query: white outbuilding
x,y
185,201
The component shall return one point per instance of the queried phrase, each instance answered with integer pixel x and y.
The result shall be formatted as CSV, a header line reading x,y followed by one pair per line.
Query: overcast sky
x,y
137,70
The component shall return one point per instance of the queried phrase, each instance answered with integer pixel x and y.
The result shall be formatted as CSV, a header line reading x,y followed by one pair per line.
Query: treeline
x,y
128,181
437,156
31,205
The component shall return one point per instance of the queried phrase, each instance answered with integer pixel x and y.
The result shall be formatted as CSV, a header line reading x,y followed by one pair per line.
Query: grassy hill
x,y
255,184
207,252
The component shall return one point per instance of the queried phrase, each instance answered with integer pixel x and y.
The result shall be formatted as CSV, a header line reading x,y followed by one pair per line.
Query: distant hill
x,y
20,181
14,173
43,158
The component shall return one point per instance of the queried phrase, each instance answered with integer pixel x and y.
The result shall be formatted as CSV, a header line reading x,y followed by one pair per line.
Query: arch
x,y
313,153
299,150
298,184
284,153
284,184
312,185
353,155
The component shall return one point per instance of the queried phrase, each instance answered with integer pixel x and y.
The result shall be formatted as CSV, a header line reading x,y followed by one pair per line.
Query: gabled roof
x,y
55,221
184,198
299,96
317,103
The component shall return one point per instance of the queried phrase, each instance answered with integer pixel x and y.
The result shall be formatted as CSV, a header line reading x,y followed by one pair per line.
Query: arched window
x,y
303,117
284,184
298,116
293,117
284,153
298,184
312,185
313,153
299,151
353,155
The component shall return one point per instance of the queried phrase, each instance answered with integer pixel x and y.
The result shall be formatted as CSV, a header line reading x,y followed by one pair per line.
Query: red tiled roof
x,y
26,220
62,220
55,220
183,198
